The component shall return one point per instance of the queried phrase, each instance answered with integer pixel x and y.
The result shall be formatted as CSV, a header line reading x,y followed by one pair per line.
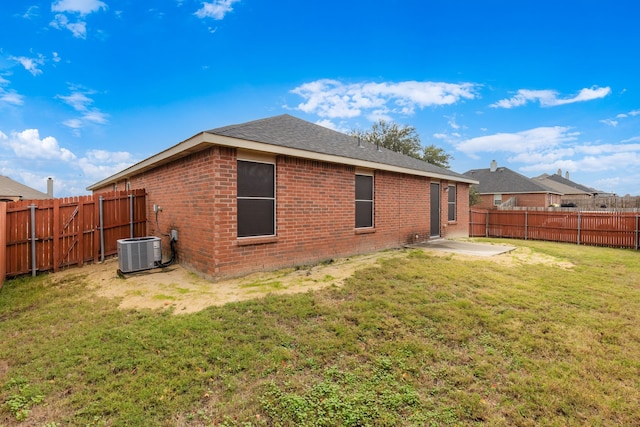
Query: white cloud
x,y
30,64
635,138
610,122
614,123
528,141
28,145
78,8
9,96
327,123
549,98
216,9
97,164
95,116
81,102
82,7
78,100
32,12
334,99
78,29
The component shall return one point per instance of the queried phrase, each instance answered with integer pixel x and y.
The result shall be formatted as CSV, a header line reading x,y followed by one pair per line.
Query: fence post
x,y
637,232
131,218
486,224
579,218
526,225
101,213
33,239
56,258
3,242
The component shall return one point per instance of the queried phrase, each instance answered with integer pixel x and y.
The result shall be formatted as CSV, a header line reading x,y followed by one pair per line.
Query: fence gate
x,y
44,235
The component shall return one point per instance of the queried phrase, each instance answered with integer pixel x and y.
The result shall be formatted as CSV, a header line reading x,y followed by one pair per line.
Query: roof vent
x,y
559,171
566,175
494,166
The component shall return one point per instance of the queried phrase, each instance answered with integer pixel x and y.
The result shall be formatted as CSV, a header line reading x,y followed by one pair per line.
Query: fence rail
x,y
611,229
46,235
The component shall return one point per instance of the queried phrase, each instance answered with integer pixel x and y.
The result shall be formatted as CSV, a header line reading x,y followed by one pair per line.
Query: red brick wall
x,y
538,200
315,213
459,227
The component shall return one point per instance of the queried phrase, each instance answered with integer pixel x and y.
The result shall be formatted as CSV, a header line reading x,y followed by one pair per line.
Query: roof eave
x,y
205,139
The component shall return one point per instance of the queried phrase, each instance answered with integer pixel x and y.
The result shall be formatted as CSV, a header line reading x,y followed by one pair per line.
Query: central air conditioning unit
x,y
139,253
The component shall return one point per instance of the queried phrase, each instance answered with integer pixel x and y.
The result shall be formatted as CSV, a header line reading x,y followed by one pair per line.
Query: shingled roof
x,y
288,135
288,131
13,190
505,181
565,185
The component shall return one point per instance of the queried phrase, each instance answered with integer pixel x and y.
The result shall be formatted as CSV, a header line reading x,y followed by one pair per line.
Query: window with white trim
x,y
256,199
364,201
452,202
497,199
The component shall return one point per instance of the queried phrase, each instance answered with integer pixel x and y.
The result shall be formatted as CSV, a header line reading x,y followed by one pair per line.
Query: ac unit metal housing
x,y
139,253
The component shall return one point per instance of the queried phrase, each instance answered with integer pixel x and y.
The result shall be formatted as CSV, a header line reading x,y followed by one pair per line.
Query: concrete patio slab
x,y
466,248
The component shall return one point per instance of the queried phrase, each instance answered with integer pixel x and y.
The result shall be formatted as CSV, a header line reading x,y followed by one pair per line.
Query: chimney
x,y
559,171
50,187
566,175
494,166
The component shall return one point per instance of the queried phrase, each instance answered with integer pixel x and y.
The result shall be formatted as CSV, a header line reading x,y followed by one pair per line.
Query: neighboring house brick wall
x,y
537,200
526,200
315,219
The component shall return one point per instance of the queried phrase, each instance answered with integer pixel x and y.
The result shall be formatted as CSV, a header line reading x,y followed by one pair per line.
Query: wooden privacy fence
x,y
612,229
46,235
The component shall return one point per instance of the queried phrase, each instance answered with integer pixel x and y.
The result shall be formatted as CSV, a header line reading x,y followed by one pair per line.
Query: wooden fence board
x,y
611,229
67,230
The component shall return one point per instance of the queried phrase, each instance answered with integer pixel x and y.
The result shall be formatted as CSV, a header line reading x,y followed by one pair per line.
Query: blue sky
x,y
88,87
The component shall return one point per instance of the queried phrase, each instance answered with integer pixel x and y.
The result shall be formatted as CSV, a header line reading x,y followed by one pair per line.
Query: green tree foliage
x,y
403,139
436,156
474,195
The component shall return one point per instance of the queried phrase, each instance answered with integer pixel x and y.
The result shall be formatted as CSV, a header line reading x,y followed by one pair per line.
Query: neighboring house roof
x,y
295,137
565,185
501,180
14,191
561,187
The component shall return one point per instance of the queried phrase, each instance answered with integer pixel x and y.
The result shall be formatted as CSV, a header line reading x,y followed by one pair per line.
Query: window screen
x,y
364,201
256,199
452,203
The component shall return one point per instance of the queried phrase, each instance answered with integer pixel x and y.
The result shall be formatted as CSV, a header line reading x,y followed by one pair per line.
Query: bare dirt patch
x,y
519,256
184,292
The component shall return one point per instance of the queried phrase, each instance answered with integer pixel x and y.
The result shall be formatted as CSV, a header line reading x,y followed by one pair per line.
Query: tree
x,y
436,156
474,195
403,139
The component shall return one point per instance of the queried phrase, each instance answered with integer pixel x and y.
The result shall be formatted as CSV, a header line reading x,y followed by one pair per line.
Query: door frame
x,y
434,214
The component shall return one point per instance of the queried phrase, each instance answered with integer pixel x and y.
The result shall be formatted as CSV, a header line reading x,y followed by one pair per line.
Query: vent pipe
x,y
559,171
566,175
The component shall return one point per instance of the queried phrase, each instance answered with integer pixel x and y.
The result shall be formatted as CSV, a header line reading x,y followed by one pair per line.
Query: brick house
x,y
500,187
281,192
12,191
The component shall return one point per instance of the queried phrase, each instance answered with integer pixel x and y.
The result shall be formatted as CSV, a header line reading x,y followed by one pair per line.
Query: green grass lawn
x,y
417,340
